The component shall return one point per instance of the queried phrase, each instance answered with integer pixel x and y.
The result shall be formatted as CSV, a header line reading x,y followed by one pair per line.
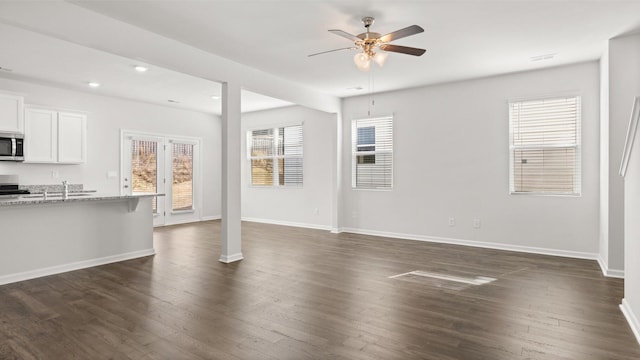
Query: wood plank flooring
x,y
309,294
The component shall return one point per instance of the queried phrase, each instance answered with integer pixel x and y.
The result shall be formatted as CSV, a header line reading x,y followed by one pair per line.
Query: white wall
x,y
624,86
106,116
294,205
452,160
631,302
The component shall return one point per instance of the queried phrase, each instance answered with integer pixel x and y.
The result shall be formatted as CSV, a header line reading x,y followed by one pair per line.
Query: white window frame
x,y
275,156
365,121
577,183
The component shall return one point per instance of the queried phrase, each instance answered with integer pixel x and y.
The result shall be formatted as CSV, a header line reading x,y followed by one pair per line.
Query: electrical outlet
x,y
316,211
452,221
476,223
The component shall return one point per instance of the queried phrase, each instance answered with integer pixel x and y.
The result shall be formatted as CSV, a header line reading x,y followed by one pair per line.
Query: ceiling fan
x,y
368,42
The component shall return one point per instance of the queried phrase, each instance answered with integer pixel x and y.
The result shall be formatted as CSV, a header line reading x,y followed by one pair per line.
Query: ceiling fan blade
x,y
403,49
328,51
399,34
345,34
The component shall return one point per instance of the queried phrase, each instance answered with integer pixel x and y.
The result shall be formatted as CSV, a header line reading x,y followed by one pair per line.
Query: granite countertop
x,y
33,199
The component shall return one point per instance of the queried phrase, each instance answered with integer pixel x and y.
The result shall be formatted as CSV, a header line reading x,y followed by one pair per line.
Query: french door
x,y
165,165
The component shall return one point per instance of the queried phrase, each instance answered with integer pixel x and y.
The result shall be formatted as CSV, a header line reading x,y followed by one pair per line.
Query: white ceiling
x,y
464,40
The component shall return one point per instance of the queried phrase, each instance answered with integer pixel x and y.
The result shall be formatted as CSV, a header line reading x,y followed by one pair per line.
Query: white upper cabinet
x,y
41,136
55,137
72,138
11,110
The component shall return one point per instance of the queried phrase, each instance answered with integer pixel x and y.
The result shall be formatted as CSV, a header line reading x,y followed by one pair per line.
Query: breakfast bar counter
x,y
52,198
43,236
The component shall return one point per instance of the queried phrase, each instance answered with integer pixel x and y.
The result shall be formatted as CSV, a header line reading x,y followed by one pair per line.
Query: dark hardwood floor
x,y
309,294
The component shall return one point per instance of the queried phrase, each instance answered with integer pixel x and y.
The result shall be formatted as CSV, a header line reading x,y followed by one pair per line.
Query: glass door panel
x,y
182,177
144,168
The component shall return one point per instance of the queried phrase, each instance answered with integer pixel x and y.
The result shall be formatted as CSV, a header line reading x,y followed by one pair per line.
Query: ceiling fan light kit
x,y
368,42
362,61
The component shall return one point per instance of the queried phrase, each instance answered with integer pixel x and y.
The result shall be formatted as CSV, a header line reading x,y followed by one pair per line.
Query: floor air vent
x,y
442,280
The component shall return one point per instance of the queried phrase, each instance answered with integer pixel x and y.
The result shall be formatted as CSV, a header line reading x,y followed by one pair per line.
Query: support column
x,y
231,162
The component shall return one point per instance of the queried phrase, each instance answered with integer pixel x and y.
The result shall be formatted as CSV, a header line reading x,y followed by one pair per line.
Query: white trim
x,y
209,218
480,244
58,269
552,95
55,108
631,318
288,223
231,258
609,272
631,135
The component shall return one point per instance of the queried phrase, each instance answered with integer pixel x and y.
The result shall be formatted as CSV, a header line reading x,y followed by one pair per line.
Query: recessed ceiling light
x,y
140,68
94,84
215,97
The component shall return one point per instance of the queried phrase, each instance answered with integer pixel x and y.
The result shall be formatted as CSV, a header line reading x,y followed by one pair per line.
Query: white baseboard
x,y
288,223
231,258
609,272
631,318
209,218
58,269
480,244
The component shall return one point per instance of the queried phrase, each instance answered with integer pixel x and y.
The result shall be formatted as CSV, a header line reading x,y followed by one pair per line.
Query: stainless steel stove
x,y
9,186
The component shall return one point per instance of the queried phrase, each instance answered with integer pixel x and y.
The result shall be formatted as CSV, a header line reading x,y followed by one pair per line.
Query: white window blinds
x,y
372,147
182,176
276,156
144,168
545,146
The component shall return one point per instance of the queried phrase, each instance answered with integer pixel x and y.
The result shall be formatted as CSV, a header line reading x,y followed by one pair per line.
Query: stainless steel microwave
x,y
11,147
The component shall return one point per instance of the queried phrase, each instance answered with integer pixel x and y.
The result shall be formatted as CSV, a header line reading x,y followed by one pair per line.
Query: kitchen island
x,y
42,236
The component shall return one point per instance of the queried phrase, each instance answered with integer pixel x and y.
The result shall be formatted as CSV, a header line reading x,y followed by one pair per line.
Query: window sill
x,y
545,194
372,189
177,212
275,187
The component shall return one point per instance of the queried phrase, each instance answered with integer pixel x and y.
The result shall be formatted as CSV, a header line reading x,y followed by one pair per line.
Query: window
x,y
276,156
372,161
545,146
144,169
182,176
